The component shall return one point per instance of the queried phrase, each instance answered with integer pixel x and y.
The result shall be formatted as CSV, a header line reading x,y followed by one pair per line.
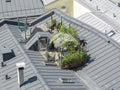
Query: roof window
x,y
7,53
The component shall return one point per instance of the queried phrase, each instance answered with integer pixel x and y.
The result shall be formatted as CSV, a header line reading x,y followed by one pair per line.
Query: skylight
x,y
7,53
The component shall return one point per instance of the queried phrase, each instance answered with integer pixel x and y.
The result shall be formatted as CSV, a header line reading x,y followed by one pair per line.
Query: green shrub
x,y
71,31
62,28
73,59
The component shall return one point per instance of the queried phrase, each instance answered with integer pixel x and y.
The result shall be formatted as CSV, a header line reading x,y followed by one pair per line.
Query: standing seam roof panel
x,y
20,8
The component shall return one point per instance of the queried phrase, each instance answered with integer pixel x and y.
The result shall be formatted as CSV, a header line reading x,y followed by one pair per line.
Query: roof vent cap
x,y
20,65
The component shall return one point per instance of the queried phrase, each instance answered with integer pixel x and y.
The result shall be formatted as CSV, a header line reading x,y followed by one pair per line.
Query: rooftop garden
x,y
65,47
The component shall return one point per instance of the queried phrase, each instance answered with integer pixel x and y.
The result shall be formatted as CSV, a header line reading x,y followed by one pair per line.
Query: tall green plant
x,y
70,30
73,58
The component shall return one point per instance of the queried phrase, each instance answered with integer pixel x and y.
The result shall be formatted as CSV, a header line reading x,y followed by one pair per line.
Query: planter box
x,y
72,65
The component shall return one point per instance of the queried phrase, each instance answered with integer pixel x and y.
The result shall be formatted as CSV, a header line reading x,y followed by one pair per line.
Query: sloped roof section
x,y
108,7
38,75
102,23
102,70
20,8
31,78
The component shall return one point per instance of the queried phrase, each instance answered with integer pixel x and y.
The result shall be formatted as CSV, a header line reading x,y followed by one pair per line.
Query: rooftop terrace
x,y
100,73
104,54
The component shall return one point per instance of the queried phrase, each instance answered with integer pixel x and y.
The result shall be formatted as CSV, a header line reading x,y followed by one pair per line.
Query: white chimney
x,y
20,72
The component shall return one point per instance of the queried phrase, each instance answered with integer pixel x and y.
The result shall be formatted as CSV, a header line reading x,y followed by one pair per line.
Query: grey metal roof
x,y
33,82
51,74
95,22
20,8
37,75
103,23
105,6
104,66
102,70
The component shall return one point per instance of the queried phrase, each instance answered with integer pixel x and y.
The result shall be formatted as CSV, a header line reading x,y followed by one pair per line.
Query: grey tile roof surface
x,y
20,8
103,66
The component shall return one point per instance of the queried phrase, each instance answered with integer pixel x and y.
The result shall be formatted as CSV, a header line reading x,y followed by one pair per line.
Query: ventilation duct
x,y
20,72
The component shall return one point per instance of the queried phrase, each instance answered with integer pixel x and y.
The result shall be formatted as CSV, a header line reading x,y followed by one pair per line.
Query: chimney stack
x,y
20,72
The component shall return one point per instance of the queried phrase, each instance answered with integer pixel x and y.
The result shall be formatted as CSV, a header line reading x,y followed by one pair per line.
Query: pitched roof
x,y
102,23
108,7
102,69
20,8
38,75
32,80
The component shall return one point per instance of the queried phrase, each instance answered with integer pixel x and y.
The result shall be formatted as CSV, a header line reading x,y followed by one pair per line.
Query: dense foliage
x,y
73,59
67,40
70,30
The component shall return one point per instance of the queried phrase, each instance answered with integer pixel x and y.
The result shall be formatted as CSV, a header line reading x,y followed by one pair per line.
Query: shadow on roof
x,y
30,80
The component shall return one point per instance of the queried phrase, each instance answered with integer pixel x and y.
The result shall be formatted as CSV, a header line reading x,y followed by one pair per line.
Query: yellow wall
x,y
61,3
